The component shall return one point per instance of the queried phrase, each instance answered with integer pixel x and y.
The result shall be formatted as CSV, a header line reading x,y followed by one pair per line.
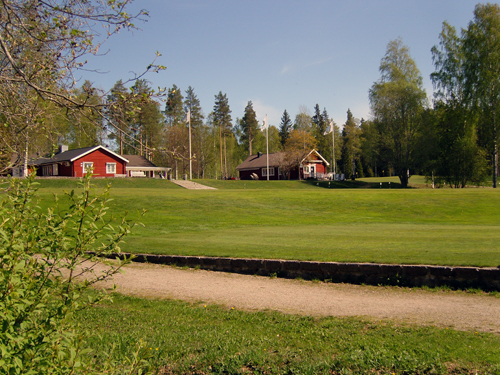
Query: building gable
x,y
255,166
75,163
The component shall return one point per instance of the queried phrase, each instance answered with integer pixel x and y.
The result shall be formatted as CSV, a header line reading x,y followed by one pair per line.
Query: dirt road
x,y
446,309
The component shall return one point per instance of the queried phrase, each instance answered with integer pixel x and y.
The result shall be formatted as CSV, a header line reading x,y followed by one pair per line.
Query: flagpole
x,y
190,158
333,149
267,148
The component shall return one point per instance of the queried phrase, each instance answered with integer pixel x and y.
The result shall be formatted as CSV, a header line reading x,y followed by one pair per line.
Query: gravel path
x,y
187,184
445,309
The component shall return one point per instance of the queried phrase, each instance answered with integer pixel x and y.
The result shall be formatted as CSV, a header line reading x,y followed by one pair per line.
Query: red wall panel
x,y
320,168
99,157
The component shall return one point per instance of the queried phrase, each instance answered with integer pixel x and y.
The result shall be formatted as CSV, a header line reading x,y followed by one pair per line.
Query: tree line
x,y
452,139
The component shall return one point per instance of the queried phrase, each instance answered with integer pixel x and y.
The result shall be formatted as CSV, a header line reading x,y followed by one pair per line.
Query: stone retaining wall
x,y
354,273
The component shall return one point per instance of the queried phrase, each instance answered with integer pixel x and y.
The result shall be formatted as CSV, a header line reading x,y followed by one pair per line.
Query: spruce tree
x,y
321,123
351,146
192,103
174,111
285,128
249,127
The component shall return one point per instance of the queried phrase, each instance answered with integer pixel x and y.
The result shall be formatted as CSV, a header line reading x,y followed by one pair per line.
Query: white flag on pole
x,y
264,123
188,116
329,129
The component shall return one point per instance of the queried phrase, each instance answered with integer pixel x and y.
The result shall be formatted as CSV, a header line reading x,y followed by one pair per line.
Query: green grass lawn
x,y
182,338
304,221
295,220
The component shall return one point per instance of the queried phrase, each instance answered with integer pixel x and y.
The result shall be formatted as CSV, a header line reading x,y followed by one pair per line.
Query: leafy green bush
x,y
48,261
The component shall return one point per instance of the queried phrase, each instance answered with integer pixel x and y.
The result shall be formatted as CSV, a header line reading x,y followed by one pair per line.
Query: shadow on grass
x,y
153,183
303,184
356,184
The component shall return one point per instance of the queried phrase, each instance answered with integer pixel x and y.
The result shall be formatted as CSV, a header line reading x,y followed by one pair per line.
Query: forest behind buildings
x,y
450,135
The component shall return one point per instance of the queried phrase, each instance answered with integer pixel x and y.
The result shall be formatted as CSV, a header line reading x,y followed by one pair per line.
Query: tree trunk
x,y
495,163
220,148
121,142
495,150
225,159
403,178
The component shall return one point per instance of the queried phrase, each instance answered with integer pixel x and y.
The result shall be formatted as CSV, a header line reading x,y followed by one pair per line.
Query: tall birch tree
x,y
481,42
397,101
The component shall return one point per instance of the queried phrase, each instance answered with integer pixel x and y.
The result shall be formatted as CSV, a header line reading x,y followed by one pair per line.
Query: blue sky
x,y
280,54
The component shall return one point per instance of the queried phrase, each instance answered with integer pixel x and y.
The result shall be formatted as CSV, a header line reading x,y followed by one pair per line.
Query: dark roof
x,y
68,155
256,161
71,155
138,161
40,161
16,158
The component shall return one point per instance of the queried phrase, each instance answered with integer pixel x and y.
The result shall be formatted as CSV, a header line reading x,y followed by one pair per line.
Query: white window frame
x,y
55,169
86,166
271,172
110,168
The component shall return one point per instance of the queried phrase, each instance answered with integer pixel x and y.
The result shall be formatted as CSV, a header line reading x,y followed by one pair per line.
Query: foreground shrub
x,y
45,272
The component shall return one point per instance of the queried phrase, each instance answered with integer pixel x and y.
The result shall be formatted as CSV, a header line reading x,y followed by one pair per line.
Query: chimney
x,y
259,154
63,148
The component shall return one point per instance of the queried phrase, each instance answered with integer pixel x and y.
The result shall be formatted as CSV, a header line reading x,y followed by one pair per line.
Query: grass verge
x,y
183,338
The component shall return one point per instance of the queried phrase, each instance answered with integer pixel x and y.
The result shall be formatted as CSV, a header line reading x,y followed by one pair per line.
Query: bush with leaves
x,y
48,261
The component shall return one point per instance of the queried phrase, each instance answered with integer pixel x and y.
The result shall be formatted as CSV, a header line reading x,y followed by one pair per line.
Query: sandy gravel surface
x,y
446,309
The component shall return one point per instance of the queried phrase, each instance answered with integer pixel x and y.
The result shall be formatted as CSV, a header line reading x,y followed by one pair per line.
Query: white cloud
x,y
286,69
262,109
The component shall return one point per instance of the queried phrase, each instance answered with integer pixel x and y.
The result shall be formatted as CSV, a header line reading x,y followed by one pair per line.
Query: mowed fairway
x,y
290,220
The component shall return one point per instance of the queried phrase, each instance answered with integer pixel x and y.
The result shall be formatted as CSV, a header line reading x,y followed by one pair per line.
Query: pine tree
x,y
321,123
174,111
370,147
222,120
135,122
351,145
249,127
285,128
119,116
176,134
192,103
148,121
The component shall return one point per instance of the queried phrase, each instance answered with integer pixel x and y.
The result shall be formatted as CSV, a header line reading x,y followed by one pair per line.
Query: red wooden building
x,y
75,163
311,165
